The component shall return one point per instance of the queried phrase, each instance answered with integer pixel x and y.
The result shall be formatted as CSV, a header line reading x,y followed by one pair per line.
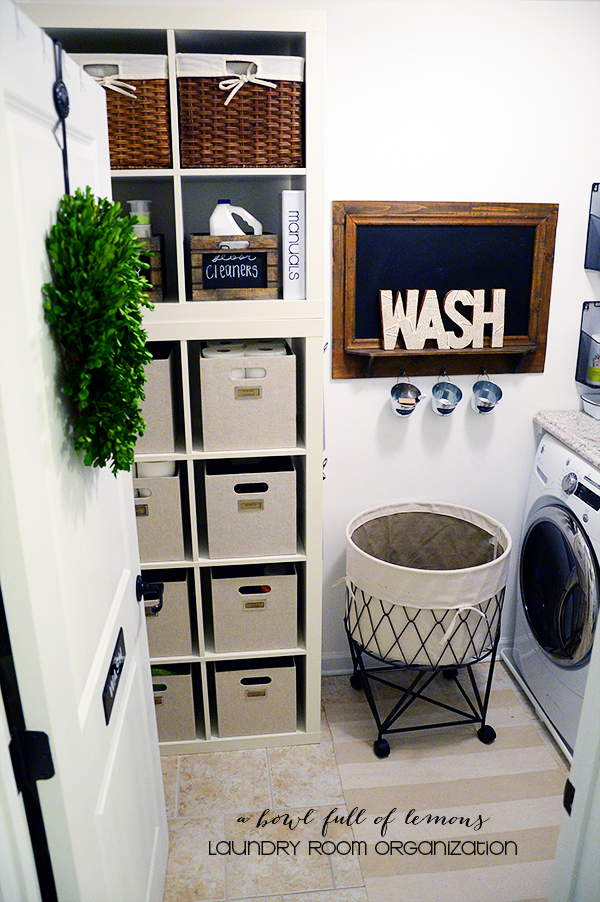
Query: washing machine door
x,y
560,585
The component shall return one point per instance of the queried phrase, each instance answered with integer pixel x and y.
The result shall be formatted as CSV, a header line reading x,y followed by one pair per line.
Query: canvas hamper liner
x,y
137,105
425,583
240,111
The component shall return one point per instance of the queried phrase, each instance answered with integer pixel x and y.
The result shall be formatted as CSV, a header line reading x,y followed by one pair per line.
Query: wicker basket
x,y
240,111
137,103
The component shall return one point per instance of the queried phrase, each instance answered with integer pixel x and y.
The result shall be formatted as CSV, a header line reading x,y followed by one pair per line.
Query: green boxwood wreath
x,y
93,306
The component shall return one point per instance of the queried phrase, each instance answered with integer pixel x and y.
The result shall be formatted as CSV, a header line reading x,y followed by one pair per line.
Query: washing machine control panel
x,y
560,472
569,483
588,497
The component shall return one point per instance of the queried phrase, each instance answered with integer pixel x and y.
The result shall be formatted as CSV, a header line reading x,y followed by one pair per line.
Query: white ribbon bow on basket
x,y
239,79
112,82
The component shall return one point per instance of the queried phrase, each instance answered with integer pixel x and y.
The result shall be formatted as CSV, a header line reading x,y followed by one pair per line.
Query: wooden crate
x,y
221,273
155,257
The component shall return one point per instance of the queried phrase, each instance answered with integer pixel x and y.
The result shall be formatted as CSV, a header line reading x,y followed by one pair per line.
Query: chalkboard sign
x,y
441,250
444,258
224,269
234,269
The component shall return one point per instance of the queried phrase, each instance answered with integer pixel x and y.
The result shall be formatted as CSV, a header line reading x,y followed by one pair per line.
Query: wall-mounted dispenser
x,y
592,247
588,357
587,372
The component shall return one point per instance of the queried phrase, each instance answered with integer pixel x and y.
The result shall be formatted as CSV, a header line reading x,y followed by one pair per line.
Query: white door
x,y
576,875
68,547
18,877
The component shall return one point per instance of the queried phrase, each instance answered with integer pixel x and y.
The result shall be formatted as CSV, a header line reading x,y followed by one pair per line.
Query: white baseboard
x,y
341,662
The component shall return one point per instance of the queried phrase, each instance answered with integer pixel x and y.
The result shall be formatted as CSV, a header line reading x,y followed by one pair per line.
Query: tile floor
x,y
221,848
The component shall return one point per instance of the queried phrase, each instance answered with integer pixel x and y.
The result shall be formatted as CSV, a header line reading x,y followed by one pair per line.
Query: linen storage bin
x,y
174,703
250,507
254,607
139,130
248,402
169,632
158,407
256,697
158,518
240,110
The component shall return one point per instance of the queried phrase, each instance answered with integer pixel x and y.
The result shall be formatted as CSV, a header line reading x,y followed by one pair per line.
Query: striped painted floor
x,y
443,819
471,821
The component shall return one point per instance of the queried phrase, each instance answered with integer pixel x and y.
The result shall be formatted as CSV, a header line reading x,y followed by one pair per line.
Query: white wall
x,y
455,100
459,101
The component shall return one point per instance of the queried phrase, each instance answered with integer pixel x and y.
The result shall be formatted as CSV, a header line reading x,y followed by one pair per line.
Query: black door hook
x,y
61,105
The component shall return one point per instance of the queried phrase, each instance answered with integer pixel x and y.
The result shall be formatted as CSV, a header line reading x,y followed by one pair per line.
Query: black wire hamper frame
x,y
423,675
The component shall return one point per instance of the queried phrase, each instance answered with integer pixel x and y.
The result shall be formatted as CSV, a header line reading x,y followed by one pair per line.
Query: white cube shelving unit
x,y
182,200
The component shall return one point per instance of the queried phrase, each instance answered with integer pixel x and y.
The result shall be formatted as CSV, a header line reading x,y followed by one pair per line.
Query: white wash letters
x,y
418,325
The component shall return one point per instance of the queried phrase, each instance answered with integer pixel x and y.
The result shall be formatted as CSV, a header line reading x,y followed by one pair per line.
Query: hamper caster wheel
x,y
356,681
381,747
486,734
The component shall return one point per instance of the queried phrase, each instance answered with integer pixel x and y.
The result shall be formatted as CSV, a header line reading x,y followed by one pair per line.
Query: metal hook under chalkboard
x,y
403,375
61,105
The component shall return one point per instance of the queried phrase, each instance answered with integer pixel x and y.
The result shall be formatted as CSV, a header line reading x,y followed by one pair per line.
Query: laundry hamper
x,y
424,591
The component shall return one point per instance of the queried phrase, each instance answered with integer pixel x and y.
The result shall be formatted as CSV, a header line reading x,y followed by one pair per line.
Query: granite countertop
x,y
577,430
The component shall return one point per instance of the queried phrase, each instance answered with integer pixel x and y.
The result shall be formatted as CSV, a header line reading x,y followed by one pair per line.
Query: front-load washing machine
x,y
558,587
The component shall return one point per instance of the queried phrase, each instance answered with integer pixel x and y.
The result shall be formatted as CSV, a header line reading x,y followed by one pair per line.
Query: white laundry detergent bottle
x,y
222,220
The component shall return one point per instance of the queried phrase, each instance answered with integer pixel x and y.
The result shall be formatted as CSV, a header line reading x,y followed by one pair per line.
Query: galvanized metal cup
x,y
404,398
444,397
485,396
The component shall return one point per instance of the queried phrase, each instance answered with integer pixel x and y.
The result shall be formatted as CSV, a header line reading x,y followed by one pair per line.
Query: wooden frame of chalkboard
x,y
442,247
